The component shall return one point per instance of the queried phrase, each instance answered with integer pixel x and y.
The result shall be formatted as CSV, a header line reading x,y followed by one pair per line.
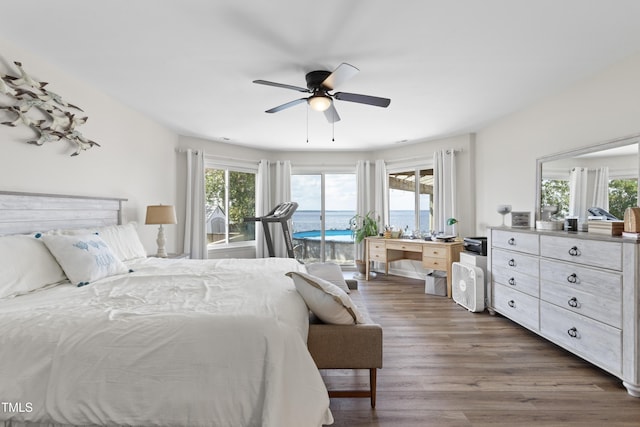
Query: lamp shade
x,y
161,214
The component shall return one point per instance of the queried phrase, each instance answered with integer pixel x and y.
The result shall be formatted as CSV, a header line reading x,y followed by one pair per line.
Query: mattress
x,y
173,343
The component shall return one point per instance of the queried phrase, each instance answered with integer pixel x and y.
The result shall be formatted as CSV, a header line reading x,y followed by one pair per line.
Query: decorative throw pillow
x,y
122,239
26,265
84,258
329,271
326,300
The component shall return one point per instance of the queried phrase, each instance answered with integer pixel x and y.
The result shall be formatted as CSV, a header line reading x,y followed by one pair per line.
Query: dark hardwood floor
x,y
445,366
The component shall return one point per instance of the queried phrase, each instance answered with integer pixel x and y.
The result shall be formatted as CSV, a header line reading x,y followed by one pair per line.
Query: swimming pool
x,y
330,235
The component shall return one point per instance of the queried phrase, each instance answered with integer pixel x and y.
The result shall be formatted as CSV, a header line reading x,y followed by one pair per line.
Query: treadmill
x,y
281,213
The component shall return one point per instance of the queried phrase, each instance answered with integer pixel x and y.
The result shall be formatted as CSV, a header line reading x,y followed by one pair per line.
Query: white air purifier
x,y
468,286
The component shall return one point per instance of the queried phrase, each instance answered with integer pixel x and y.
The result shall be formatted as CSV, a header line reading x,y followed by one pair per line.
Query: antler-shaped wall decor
x,y
57,120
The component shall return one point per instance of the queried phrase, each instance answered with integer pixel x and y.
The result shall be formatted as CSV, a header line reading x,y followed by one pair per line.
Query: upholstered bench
x,y
348,347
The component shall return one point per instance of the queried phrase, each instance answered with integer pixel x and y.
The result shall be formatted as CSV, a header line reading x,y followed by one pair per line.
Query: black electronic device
x,y
281,213
476,245
596,211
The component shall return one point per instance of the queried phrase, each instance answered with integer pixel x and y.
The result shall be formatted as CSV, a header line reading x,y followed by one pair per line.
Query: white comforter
x,y
175,343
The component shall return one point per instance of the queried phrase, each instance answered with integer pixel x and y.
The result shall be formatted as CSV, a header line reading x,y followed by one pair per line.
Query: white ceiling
x,y
449,67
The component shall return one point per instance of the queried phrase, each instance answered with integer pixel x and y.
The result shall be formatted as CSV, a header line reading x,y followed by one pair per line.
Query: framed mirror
x,y
604,175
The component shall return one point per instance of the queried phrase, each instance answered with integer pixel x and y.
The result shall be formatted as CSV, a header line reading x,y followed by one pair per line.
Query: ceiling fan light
x,y
319,102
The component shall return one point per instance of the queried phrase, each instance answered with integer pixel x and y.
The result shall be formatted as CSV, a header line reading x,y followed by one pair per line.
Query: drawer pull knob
x,y
512,262
573,278
573,332
512,241
512,281
574,251
573,302
512,304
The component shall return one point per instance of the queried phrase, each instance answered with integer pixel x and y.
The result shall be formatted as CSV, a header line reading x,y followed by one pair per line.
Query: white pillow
x,y
26,265
84,258
122,239
326,300
329,271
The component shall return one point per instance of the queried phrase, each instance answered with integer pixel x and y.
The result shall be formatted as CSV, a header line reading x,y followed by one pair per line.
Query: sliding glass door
x,y
326,202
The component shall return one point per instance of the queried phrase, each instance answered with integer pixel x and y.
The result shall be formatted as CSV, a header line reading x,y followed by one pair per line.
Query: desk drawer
x,y
434,263
406,247
434,252
377,254
376,245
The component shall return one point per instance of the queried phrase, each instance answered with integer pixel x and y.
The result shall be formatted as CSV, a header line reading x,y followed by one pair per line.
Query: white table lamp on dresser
x,y
161,214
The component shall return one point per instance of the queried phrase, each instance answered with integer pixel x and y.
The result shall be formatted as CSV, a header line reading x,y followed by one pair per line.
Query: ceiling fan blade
x,y
340,75
298,88
331,114
287,105
362,99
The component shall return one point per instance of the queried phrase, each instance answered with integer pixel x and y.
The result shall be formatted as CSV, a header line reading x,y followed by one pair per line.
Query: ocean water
x,y
339,220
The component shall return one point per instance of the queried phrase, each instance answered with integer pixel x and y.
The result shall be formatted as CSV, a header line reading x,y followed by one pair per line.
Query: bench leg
x,y
373,375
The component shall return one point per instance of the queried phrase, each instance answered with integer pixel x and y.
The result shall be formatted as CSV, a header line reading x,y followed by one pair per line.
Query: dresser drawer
x,y
516,280
593,293
406,247
517,306
512,240
588,252
515,261
595,341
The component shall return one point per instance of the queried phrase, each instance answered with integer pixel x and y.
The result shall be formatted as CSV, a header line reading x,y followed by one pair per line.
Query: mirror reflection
x,y
571,184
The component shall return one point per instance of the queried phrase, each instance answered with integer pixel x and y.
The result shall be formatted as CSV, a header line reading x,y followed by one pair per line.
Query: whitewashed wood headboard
x,y
29,212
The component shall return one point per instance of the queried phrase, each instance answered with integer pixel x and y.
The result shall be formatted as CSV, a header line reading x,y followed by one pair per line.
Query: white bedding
x,y
175,343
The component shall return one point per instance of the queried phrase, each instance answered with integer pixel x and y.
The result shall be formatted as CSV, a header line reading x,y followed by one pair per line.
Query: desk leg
x,y
449,279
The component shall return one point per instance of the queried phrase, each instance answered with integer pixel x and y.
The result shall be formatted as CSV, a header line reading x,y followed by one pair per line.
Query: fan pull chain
x,y
333,127
307,123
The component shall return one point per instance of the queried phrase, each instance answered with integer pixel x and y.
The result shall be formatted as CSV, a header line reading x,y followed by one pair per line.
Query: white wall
x,y
136,159
600,108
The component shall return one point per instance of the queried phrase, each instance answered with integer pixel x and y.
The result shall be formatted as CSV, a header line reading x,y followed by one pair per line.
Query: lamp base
x,y
161,240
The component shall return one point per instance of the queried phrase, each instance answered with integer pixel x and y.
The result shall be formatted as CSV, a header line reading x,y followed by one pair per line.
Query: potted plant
x,y
363,226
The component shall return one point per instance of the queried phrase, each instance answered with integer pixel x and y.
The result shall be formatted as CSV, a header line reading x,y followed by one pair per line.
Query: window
x,y
230,197
411,200
326,202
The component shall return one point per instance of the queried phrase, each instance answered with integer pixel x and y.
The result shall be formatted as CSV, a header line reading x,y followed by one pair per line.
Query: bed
x,y
147,342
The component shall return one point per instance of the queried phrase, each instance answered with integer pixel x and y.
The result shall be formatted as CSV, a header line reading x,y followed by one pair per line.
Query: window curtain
x,y
269,194
195,235
381,193
444,190
588,188
364,202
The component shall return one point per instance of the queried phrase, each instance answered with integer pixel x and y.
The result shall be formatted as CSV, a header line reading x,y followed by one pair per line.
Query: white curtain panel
x,y
364,203
263,205
195,235
273,187
381,193
282,194
588,188
600,196
444,190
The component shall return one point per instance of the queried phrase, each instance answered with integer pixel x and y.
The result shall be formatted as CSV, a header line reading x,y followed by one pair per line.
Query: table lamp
x,y
161,214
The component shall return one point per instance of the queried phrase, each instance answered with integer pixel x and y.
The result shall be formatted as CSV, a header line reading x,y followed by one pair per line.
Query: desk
x,y
434,255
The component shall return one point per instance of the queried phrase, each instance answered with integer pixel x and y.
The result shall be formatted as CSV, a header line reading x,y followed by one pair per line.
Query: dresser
x,y
577,290
434,255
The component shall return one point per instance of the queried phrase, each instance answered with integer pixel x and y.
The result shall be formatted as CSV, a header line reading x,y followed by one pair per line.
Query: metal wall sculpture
x,y
47,113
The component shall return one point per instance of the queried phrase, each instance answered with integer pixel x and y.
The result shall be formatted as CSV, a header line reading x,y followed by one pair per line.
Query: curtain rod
x,y
215,157
406,159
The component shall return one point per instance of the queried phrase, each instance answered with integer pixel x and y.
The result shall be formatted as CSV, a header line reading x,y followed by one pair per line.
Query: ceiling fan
x,y
320,84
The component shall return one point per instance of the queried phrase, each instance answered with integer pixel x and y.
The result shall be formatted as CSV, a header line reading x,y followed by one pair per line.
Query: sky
x,y
340,193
